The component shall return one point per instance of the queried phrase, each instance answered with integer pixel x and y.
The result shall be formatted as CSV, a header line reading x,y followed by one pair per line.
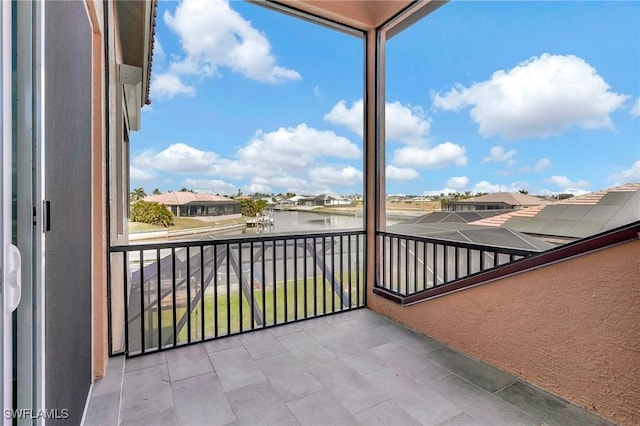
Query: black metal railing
x,y
411,265
171,294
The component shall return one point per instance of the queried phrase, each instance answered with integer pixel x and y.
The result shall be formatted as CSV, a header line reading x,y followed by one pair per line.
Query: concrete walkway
x,y
357,367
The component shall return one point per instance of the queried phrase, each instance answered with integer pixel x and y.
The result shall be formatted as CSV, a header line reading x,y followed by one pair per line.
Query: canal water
x,y
301,221
294,221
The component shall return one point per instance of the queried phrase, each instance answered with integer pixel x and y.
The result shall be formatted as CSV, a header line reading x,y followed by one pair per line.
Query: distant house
x,y
201,206
324,200
495,201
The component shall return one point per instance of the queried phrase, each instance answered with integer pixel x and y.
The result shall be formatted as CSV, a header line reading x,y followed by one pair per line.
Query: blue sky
x,y
481,96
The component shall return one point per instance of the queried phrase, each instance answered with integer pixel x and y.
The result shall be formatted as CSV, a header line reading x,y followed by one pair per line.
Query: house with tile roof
x,y
495,201
198,205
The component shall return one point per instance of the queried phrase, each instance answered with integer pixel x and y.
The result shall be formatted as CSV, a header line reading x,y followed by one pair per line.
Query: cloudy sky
x,y
481,96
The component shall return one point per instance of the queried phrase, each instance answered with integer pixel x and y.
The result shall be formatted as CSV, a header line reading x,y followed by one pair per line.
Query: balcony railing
x,y
411,264
415,269
172,294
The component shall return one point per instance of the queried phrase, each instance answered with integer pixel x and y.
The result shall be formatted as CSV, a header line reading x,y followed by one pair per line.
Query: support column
x,y
374,161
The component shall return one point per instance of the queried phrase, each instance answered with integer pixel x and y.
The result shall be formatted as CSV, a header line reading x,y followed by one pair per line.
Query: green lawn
x,y
230,308
182,223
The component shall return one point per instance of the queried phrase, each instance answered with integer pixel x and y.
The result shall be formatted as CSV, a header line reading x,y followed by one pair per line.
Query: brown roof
x,y
182,198
511,198
502,218
590,199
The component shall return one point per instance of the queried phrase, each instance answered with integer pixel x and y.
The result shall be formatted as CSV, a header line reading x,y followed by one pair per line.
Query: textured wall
x,y
572,328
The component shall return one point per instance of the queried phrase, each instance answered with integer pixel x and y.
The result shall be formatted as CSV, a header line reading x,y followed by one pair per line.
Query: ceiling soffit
x,y
363,15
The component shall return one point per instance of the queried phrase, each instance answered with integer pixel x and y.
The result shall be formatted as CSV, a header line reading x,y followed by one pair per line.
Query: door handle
x,y
13,278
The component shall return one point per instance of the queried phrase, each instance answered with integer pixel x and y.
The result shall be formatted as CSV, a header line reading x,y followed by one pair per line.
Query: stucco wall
x,y
572,328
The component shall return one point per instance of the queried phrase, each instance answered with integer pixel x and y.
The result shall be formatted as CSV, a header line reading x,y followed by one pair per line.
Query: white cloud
x,y
279,183
565,182
177,158
400,174
139,175
253,188
404,124
572,191
292,159
351,118
629,175
407,125
542,164
575,191
635,109
445,154
499,155
158,51
539,97
211,185
461,184
167,85
213,35
486,186
458,182
296,147
336,176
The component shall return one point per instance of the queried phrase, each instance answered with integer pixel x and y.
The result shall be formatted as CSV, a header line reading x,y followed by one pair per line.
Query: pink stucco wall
x,y
572,328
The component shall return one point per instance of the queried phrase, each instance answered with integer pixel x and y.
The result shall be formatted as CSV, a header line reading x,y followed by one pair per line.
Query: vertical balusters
x,y
215,290
240,277
350,272
251,281
315,277
324,276
125,285
284,278
358,271
228,280
304,273
275,287
202,289
264,279
159,298
187,311
341,274
445,263
295,278
173,296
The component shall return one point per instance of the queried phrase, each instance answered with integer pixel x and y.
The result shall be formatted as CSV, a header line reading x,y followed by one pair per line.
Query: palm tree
x,y
138,194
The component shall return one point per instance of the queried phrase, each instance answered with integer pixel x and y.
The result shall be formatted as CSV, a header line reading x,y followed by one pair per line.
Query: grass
x,y
325,301
182,223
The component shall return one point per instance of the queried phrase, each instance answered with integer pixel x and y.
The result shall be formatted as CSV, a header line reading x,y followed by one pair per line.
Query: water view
x,y
291,221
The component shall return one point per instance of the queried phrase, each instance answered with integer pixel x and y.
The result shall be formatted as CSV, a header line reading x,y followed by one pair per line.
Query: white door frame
x,y
10,271
29,93
38,187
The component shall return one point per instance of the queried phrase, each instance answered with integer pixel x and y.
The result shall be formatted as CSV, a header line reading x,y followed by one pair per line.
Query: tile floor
x,y
356,367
